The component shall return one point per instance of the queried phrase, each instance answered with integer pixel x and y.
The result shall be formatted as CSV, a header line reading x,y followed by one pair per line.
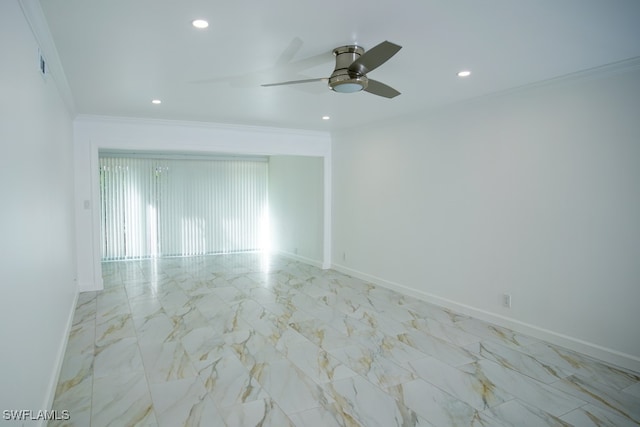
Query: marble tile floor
x,y
246,340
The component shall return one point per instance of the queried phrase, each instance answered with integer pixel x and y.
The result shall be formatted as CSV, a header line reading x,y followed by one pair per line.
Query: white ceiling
x,y
118,55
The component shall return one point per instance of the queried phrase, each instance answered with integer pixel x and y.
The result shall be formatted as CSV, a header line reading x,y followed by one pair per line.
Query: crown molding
x,y
35,17
624,66
602,71
119,120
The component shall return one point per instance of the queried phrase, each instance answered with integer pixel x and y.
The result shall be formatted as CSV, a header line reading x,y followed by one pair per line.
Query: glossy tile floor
x,y
241,340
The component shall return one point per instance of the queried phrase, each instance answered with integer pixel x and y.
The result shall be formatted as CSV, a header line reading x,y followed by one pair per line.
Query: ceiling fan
x,y
352,66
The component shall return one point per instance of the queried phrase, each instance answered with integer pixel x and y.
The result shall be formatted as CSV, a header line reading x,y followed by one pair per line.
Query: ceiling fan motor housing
x,y
342,79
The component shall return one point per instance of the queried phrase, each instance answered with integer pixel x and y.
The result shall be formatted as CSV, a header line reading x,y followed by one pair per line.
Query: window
x,y
179,207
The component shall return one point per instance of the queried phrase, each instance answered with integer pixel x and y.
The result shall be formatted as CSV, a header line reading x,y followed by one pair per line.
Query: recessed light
x,y
200,23
464,73
156,101
325,117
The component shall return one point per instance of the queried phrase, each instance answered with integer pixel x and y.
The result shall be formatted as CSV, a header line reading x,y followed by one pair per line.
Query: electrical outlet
x,y
344,256
506,300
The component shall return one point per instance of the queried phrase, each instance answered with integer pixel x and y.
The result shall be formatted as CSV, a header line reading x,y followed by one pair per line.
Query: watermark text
x,y
30,415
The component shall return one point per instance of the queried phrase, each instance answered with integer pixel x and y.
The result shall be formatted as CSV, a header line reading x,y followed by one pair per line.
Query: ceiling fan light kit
x,y
352,66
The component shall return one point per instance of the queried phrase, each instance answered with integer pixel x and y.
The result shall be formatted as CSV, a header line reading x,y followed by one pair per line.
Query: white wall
x,y
94,133
37,256
535,193
296,206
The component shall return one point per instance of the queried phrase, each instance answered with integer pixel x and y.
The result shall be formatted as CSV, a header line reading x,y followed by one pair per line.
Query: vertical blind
x,y
178,207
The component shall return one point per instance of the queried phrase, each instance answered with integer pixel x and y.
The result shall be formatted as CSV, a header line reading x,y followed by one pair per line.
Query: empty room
x,y
419,213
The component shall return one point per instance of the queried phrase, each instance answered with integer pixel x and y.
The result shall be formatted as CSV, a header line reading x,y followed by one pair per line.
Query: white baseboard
x,y
605,354
90,286
53,383
300,258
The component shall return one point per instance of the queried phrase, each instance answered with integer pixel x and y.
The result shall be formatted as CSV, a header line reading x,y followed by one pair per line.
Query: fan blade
x,y
289,52
375,57
295,82
381,89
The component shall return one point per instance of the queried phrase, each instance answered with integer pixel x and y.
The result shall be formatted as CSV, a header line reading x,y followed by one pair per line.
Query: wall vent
x,y
42,64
